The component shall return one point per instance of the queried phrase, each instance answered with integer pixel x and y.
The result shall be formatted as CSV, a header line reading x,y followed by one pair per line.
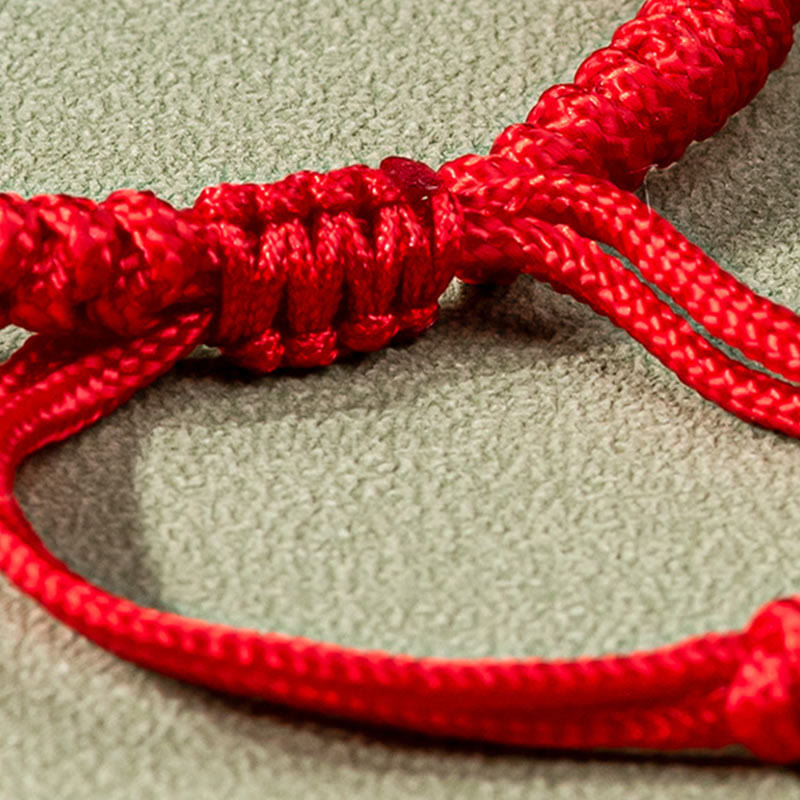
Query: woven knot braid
x,y
300,271
70,265
672,75
321,264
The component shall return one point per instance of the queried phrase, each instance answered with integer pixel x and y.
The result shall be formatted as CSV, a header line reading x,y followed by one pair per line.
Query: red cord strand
x,y
302,271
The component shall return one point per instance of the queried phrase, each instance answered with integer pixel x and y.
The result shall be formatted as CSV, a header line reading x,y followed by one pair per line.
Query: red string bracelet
x,y
319,265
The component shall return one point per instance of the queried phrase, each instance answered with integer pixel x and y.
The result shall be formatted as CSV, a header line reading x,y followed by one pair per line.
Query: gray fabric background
x,y
523,480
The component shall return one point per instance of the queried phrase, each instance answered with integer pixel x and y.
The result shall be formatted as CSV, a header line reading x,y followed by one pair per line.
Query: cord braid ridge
x,y
672,75
300,271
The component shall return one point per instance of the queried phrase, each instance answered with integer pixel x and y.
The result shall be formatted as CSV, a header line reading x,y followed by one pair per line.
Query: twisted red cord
x,y
314,266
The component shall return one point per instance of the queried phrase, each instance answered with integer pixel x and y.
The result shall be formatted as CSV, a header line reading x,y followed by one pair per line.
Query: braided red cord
x,y
314,266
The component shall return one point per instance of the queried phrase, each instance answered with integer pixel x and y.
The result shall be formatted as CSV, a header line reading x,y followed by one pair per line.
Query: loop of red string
x,y
299,272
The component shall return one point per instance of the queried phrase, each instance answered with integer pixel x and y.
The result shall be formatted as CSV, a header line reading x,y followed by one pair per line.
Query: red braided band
x,y
314,266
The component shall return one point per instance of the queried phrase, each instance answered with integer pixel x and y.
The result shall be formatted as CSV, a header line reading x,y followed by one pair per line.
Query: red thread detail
x,y
764,699
288,266
369,332
671,76
315,259
314,266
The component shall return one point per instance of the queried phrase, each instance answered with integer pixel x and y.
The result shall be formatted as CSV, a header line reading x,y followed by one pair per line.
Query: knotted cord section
x,y
321,264
763,701
69,265
298,272
672,75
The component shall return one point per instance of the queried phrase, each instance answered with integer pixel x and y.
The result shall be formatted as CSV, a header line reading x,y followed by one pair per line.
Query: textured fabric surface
x,y
523,480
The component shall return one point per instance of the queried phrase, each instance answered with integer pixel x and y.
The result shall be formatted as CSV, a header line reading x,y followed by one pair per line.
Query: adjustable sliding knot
x,y
322,264
763,706
296,272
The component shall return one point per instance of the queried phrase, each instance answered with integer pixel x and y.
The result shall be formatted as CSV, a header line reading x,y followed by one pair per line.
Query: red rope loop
x,y
539,224
302,271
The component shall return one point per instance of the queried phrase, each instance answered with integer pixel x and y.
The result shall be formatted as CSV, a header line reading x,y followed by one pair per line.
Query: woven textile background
x,y
522,480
